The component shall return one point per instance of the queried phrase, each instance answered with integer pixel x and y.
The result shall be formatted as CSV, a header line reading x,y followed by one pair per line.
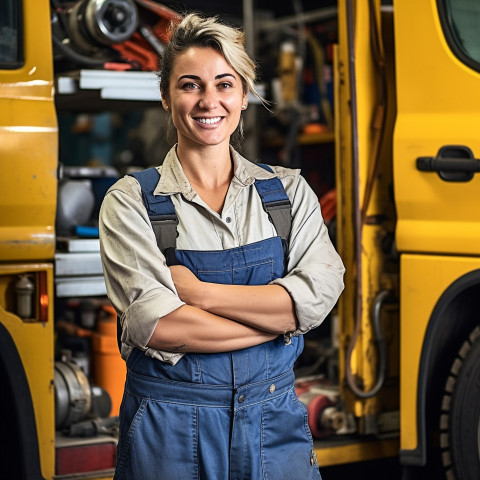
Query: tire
x,y
460,416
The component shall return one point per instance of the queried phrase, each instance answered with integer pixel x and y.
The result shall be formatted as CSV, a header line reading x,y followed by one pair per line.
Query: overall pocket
x,y
131,412
161,441
287,444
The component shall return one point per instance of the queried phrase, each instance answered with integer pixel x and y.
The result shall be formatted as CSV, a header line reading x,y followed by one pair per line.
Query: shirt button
x,y
272,388
313,458
241,398
228,219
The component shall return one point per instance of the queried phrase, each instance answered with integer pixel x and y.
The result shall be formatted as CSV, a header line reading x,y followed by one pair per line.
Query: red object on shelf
x,y
328,204
138,51
315,408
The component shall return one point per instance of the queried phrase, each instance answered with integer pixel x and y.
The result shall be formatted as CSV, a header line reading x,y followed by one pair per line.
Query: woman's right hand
x,y
187,284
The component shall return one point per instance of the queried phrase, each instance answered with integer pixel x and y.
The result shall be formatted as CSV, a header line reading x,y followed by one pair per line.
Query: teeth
x,y
209,120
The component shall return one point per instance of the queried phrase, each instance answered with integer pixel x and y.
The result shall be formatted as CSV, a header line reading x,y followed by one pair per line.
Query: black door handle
x,y
453,163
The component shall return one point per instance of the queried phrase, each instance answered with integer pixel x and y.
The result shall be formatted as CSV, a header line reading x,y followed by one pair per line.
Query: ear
x,y
245,101
164,101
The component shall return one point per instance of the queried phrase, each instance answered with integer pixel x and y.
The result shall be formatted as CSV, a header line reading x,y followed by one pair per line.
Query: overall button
x,y
241,398
272,388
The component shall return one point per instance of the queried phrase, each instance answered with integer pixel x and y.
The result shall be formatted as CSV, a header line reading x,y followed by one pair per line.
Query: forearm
x,y
266,307
190,329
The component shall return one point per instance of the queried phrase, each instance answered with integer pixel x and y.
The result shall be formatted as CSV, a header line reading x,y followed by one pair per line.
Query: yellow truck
x,y
406,329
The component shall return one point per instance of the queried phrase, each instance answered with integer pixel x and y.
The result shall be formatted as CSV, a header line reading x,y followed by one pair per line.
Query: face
x,y
205,97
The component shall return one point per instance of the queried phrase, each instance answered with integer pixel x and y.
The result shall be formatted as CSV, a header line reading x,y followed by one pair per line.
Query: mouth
x,y
208,121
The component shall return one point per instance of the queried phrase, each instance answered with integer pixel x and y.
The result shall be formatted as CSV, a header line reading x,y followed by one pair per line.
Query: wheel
x,y
460,417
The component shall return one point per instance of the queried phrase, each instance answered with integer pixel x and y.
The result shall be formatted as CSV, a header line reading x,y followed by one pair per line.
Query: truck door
x,y
436,132
28,190
436,147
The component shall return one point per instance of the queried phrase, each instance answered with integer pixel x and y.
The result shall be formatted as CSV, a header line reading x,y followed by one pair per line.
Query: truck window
x,y
11,50
460,20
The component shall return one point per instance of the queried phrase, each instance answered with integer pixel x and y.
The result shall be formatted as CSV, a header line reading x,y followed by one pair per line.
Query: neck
x,y
208,167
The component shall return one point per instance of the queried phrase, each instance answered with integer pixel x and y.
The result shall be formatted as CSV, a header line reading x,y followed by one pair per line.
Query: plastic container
x,y
109,370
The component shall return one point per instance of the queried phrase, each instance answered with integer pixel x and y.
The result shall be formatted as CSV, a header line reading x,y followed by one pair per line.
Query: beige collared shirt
x,y
139,283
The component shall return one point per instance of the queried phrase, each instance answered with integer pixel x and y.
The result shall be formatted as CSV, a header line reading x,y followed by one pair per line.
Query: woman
x,y
212,321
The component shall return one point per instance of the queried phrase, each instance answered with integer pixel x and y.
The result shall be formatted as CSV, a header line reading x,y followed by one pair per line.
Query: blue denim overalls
x,y
222,416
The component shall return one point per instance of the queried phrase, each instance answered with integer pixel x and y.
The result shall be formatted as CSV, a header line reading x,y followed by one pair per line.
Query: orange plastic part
x,y
109,368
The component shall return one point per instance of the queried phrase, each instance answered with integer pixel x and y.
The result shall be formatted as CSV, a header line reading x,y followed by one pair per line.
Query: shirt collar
x,y
173,179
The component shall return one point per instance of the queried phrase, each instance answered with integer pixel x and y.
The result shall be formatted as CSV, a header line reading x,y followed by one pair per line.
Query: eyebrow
x,y
196,77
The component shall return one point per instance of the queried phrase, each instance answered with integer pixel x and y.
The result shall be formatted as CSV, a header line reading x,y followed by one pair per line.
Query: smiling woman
x,y
216,267
205,98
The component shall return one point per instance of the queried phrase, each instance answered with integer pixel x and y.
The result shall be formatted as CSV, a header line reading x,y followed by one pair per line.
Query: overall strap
x,y
163,218
161,212
277,204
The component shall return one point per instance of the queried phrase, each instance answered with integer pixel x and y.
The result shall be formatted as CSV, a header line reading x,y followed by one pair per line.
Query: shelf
x,y
78,268
111,85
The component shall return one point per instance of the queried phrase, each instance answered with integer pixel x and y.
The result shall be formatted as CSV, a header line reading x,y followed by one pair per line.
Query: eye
x,y
189,86
225,85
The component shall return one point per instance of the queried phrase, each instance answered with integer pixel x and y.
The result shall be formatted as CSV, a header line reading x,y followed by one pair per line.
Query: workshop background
x,y
391,379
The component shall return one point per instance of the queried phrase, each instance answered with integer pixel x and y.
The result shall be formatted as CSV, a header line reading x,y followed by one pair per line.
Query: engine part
x,y
101,402
72,394
104,22
92,428
24,288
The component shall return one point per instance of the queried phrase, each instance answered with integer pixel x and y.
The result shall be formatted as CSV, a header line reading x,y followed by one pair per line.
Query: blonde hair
x,y
195,30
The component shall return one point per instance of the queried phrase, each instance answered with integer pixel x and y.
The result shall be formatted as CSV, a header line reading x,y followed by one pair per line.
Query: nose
x,y
208,99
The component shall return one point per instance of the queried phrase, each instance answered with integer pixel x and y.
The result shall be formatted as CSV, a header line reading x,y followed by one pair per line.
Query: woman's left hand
x,y
187,284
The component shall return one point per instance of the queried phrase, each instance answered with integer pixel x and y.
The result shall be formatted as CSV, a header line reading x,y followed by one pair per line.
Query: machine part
x,y
315,407
356,194
359,221
378,124
75,57
460,418
104,22
138,53
382,350
321,400
24,288
388,421
332,419
92,428
319,62
76,202
152,39
287,67
72,394
101,402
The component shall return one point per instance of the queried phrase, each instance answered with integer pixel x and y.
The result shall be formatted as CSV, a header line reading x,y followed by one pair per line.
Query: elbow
x,y
286,324
168,340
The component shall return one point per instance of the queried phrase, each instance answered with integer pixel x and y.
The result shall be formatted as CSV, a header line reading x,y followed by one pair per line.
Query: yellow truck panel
x,y
28,145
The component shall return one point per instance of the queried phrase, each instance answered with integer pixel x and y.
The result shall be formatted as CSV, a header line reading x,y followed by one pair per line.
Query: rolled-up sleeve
x,y
315,270
138,281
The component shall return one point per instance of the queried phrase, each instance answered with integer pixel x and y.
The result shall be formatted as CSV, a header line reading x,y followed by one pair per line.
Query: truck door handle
x,y
453,163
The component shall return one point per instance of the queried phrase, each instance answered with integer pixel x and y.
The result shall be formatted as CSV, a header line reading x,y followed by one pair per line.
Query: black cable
x,y
75,57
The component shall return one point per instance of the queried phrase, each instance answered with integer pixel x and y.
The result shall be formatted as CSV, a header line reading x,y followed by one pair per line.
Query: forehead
x,y
201,61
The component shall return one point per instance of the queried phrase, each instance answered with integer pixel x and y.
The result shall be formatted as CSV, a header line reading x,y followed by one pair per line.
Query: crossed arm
x,y
219,318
